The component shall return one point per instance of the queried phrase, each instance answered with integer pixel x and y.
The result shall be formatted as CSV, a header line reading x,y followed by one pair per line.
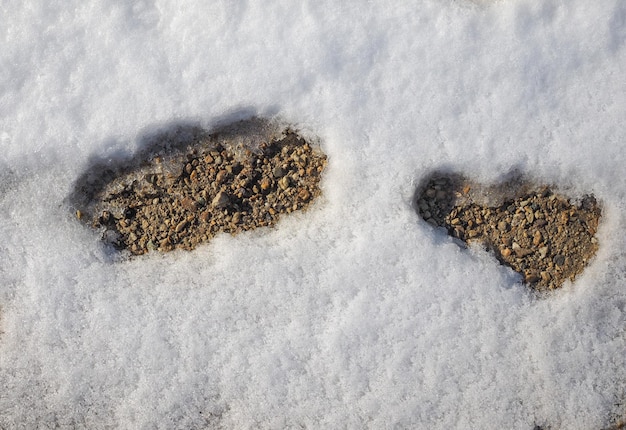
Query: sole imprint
x,y
190,185
541,234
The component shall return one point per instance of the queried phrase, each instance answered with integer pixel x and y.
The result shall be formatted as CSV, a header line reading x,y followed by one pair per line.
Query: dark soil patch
x,y
541,234
178,195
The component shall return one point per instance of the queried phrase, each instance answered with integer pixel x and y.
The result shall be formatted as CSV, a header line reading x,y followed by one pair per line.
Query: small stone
x,y
505,252
221,176
180,226
283,183
208,159
79,214
265,184
221,200
278,172
543,251
531,277
537,238
559,260
188,204
459,231
304,195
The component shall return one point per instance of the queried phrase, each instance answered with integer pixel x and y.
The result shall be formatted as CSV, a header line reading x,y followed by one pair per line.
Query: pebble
x,y
559,260
221,200
283,183
221,176
304,195
278,172
265,184
180,226
189,204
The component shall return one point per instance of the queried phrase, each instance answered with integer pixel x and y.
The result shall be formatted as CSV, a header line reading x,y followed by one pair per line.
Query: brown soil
x,y
239,178
542,235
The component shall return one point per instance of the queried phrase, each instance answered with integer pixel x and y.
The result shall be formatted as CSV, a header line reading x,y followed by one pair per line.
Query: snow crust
x,y
355,314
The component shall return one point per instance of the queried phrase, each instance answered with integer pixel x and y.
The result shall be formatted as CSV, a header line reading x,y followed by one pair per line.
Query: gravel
x,y
241,177
545,236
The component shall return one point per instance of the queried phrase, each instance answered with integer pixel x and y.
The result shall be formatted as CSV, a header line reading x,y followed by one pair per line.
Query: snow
x,y
354,314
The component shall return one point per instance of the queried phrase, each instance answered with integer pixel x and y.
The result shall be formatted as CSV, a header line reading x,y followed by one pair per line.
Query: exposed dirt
x,y
542,235
238,178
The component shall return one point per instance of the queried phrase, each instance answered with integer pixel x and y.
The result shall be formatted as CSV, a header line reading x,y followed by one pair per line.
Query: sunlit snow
x,y
355,313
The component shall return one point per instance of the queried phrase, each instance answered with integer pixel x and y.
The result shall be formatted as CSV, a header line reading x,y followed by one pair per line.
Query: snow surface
x,y
355,314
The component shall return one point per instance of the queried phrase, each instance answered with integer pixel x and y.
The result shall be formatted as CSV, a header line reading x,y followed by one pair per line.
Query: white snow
x,y
354,314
